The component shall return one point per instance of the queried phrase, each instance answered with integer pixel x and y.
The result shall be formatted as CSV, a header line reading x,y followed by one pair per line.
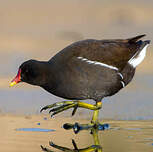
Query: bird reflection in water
x,y
96,147
77,128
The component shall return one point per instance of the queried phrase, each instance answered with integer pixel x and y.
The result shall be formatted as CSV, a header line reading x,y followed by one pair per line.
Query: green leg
x,y
96,113
94,124
62,106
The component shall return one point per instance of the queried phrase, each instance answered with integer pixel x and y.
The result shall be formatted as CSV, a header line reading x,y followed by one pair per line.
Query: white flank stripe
x,y
98,63
135,61
123,84
120,75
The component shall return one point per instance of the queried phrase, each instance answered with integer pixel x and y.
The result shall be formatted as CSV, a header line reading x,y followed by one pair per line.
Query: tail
x,y
139,56
135,39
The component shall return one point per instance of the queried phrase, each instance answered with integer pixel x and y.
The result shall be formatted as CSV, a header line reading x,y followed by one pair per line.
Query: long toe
x,y
60,106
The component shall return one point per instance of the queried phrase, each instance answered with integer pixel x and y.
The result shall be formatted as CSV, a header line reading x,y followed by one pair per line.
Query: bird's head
x,y
30,72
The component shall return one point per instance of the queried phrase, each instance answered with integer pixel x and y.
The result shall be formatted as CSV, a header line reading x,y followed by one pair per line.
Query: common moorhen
x,y
87,69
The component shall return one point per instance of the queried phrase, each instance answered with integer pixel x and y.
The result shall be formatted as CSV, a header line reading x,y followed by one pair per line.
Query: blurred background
x,y
38,29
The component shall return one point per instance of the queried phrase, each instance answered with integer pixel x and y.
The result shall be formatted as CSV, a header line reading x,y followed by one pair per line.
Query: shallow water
x,y
124,136
127,136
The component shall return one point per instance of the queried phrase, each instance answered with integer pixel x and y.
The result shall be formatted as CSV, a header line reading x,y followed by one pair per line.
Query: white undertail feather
x,y
135,61
97,63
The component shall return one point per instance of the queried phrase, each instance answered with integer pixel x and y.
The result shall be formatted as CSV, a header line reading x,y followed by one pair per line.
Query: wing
x,y
115,53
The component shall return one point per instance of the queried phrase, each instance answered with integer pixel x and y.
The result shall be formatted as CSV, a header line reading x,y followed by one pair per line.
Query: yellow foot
x,y
64,105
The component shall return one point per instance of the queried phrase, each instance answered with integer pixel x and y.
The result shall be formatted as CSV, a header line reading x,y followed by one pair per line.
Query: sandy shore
x,y
127,136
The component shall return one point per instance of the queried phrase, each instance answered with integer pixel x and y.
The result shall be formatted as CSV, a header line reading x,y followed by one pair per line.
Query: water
x,y
35,129
124,139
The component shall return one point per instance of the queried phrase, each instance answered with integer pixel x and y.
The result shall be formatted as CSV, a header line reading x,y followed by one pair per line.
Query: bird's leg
x,y
93,125
96,114
64,105
61,106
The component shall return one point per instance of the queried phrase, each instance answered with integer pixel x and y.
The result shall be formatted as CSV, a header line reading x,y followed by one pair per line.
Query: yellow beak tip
x,y
12,84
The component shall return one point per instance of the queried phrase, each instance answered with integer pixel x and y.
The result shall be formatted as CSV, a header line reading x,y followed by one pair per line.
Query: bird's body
x,y
91,69
88,69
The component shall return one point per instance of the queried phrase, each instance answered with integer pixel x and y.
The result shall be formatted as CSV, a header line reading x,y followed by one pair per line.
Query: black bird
x,y
87,69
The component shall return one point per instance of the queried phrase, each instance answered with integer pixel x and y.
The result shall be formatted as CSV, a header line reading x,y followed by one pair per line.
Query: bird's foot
x,y
65,149
79,127
64,105
61,106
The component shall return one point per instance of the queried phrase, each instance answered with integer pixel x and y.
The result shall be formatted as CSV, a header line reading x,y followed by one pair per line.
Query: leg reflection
x,y
79,127
96,147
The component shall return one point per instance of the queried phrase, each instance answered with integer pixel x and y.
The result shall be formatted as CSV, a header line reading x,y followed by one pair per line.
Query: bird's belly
x,y
82,83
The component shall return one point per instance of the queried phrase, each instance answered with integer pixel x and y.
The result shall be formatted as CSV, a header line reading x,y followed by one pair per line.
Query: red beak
x,y
17,79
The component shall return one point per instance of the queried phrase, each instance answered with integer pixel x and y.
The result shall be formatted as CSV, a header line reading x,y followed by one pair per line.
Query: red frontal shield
x,y
17,79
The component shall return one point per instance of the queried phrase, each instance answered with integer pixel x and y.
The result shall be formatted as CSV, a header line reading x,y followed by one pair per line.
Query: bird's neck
x,y
47,74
